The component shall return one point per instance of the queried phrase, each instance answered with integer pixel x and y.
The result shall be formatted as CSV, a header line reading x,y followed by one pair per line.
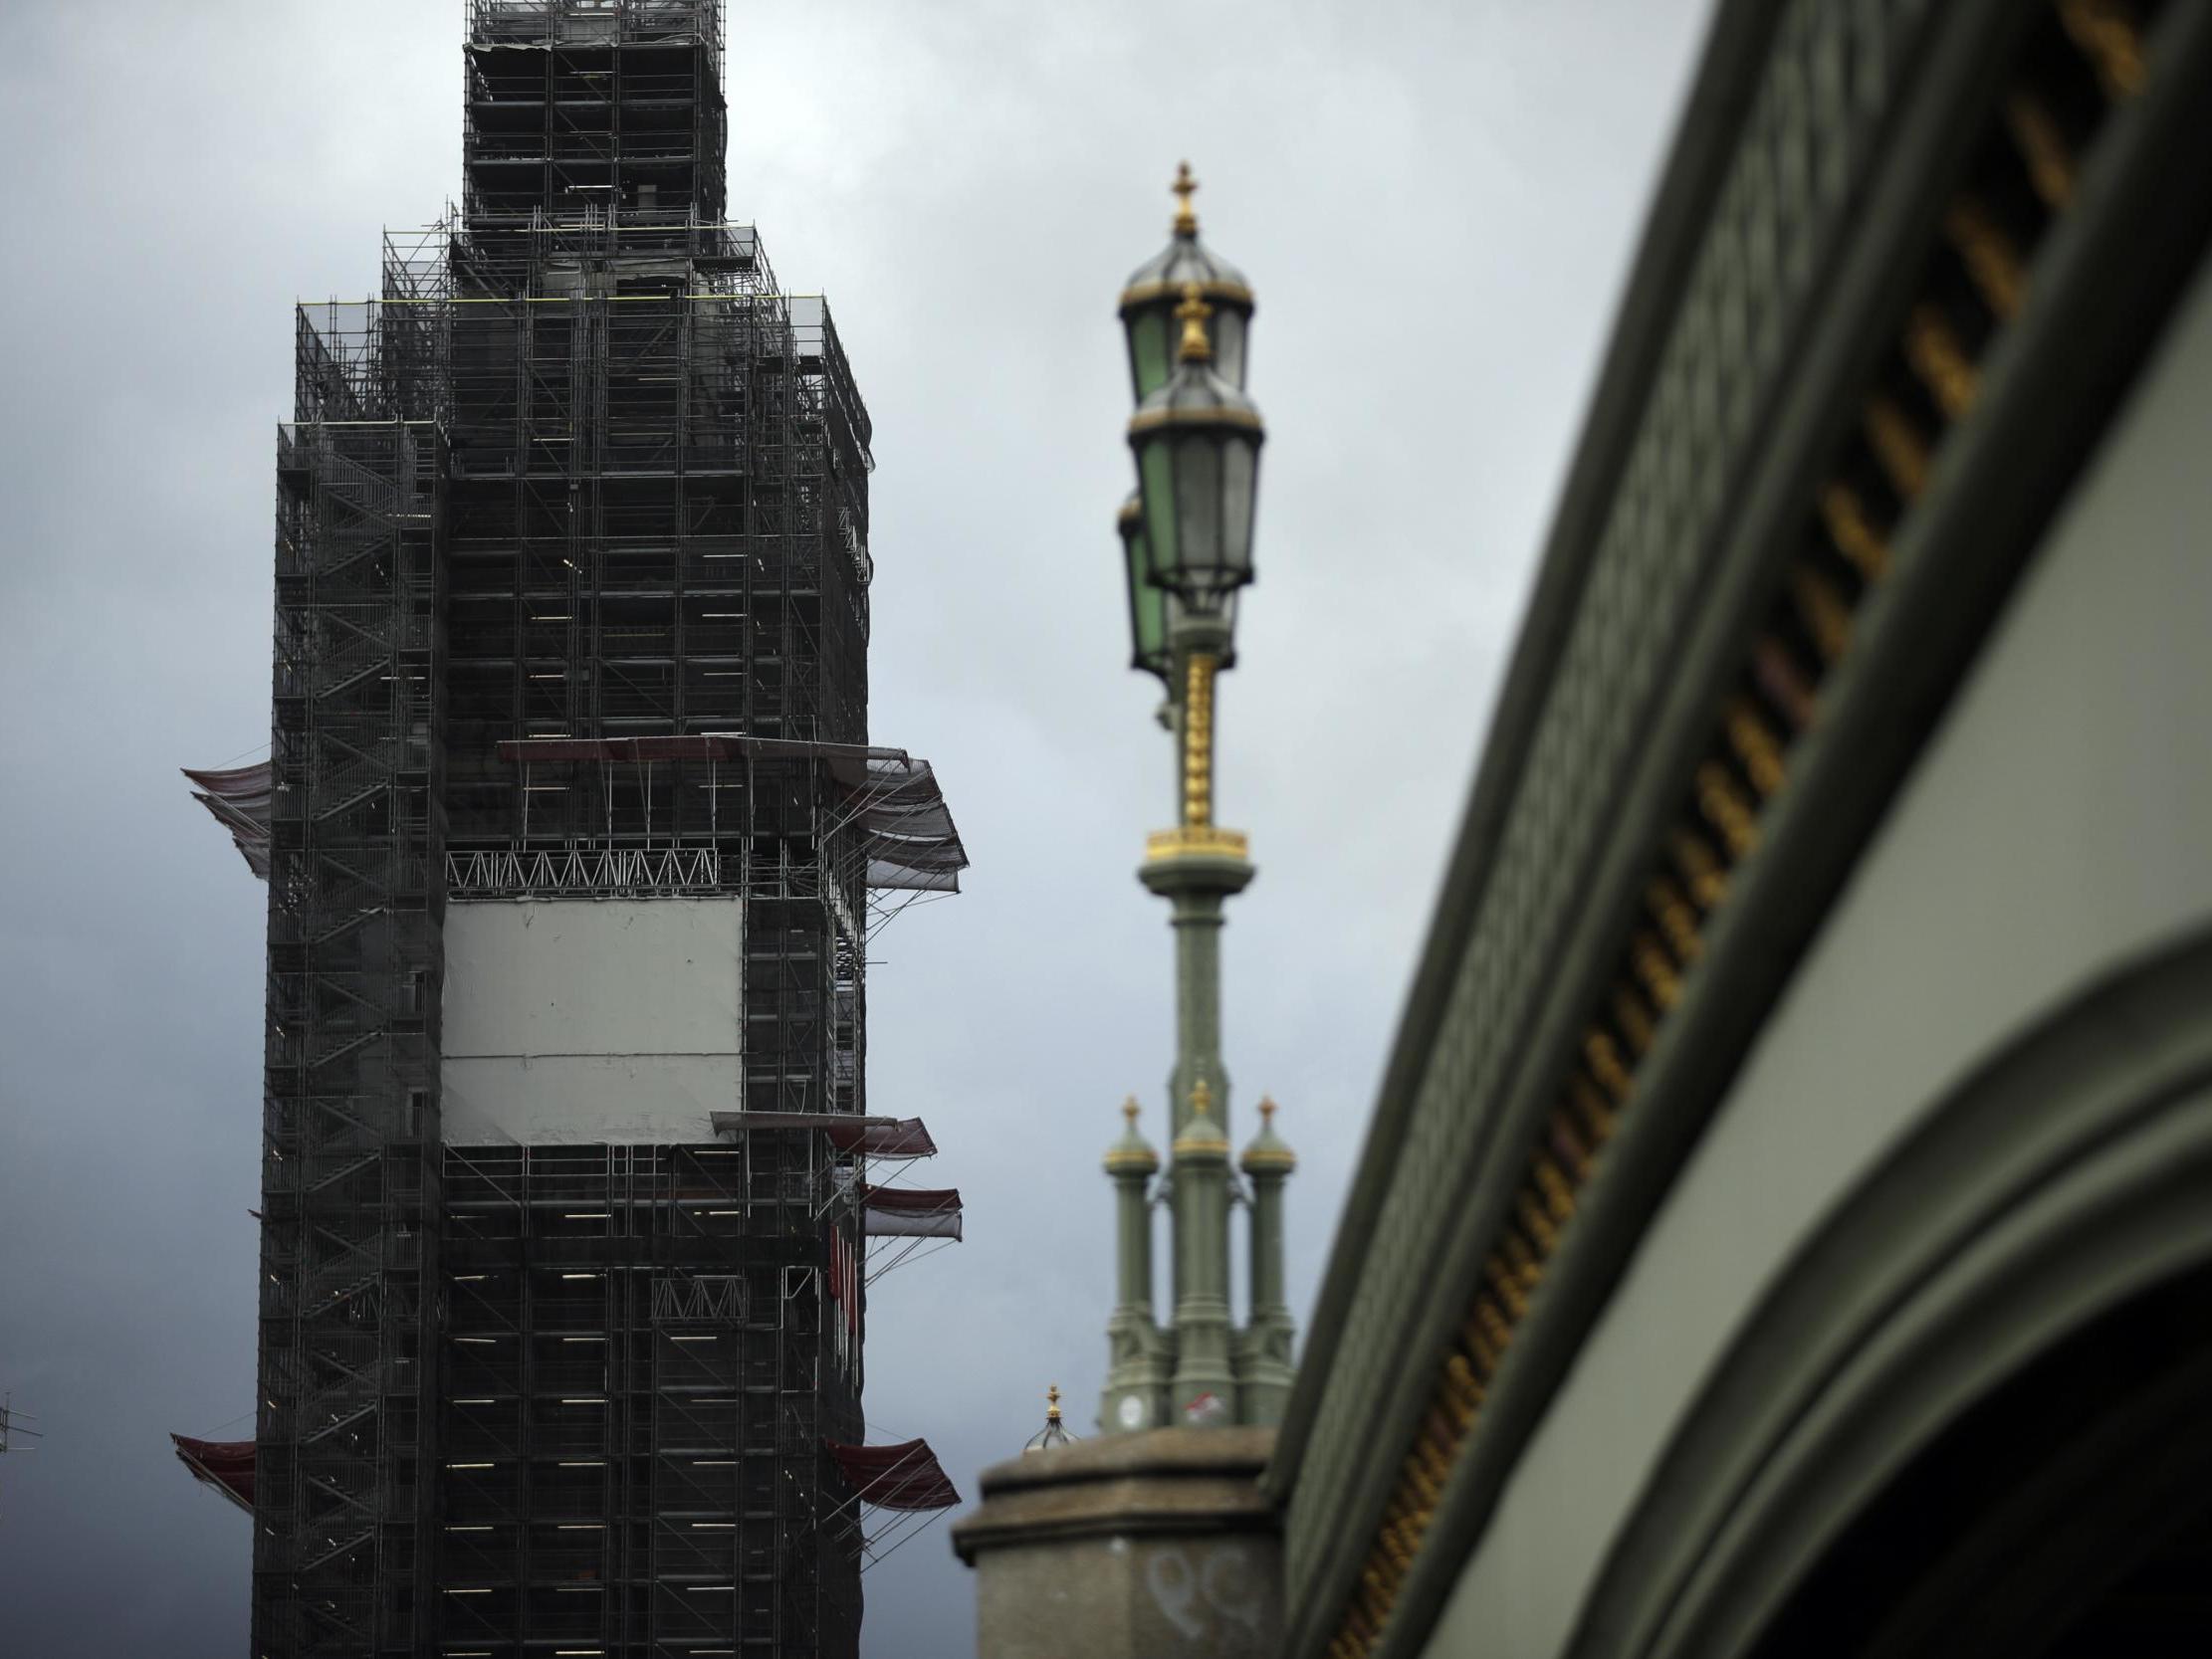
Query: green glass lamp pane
x,y
1149,362
1155,466
1148,613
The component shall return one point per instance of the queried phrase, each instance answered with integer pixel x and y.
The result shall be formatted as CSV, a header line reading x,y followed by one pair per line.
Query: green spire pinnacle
x,y
1202,1136
1132,1154
1268,1153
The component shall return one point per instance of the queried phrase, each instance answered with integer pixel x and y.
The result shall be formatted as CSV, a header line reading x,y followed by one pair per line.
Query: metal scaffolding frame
x,y
581,470
642,1373
351,1123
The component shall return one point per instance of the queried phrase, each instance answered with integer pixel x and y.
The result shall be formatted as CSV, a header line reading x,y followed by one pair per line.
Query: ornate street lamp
x,y
1187,552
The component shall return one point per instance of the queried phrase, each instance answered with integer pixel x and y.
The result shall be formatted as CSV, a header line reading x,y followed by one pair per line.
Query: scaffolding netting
x,y
239,801
225,1465
905,1475
911,1212
913,845
886,1137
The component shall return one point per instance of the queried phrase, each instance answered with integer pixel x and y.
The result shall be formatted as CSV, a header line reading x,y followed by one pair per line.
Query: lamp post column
x,y
1197,867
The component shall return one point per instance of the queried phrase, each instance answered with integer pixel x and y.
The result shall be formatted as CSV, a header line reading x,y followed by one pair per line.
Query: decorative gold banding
x,y
1900,447
1855,539
1144,419
1602,1058
1676,921
1465,1392
1558,1196
1700,866
1989,257
1933,349
1234,295
1508,1289
1522,1262
1652,971
2106,34
1495,1333
1755,745
1591,1109
1728,809
1692,879
1632,1020
1196,841
2043,147
1198,740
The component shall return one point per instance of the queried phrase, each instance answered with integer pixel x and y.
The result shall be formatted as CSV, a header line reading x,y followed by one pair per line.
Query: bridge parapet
x,y
1904,263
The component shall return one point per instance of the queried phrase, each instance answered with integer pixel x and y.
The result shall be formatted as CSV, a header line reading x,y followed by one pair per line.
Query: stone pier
x,y
1147,1545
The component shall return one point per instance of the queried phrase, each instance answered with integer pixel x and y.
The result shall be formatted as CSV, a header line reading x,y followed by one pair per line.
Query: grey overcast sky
x,y
1435,204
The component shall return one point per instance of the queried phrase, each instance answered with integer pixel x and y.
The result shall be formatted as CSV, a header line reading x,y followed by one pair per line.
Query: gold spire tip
x,y
1186,220
1130,1108
1201,1098
1191,313
1267,1108
1052,1403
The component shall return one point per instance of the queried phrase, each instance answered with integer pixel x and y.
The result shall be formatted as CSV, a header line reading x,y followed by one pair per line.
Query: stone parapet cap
x,y
1168,1480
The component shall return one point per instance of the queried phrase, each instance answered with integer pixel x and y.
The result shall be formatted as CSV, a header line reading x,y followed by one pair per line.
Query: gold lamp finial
x,y
1191,313
1266,1108
1186,220
1052,1403
1130,1108
1201,1098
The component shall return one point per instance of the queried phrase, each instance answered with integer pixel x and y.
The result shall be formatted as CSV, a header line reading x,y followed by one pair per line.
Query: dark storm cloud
x,y
1434,203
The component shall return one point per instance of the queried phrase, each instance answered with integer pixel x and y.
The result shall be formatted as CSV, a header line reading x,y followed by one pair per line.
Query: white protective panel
x,y
584,1020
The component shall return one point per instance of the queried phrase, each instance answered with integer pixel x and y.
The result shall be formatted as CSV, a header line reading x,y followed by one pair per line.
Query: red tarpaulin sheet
x,y
913,1212
902,1476
239,799
225,1465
